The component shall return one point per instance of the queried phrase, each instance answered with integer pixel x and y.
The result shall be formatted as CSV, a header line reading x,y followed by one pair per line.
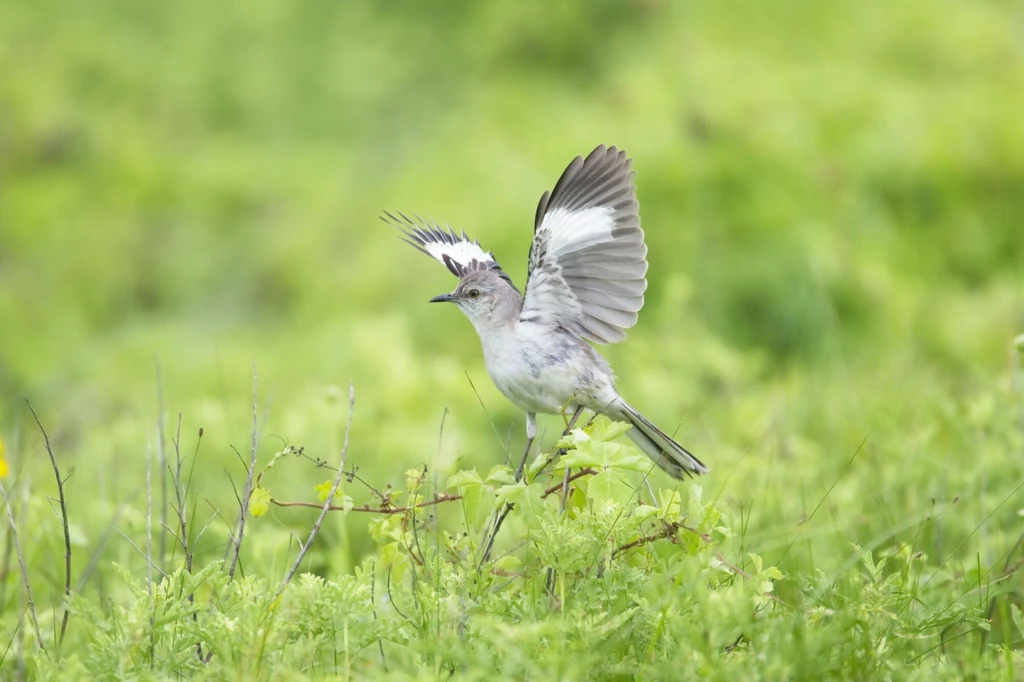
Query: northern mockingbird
x,y
586,281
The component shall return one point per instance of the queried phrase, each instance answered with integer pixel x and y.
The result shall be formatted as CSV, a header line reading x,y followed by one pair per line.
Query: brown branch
x,y
665,533
64,521
579,474
438,499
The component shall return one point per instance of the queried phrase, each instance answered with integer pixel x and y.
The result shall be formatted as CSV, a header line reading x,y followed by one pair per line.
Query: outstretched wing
x,y
460,255
588,260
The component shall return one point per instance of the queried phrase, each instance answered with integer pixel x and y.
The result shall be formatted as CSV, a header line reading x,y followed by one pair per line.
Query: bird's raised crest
x,y
460,254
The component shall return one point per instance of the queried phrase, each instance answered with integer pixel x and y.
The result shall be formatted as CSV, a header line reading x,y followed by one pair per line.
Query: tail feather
x,y
656,444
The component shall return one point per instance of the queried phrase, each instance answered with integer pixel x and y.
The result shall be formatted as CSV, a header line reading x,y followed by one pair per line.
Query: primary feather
x,y
588,261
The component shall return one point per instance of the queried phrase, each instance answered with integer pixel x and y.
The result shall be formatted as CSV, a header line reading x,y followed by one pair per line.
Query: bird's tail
x,y
655,443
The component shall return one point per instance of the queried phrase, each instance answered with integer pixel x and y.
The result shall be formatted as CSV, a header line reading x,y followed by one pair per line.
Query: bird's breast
x,y
546,370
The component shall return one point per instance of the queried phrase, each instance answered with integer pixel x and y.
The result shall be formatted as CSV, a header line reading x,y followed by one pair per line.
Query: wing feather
x,y
588,261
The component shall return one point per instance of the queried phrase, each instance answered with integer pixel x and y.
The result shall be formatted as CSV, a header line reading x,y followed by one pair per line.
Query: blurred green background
x,y
832,195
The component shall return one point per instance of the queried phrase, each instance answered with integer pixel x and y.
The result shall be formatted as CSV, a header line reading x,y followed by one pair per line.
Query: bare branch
x,y
161,457
141,553
249,475
149,519
24,569
64,522
181,495
330,494
438,499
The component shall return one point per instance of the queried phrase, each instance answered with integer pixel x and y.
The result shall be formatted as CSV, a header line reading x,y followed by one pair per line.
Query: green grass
x,y
831,198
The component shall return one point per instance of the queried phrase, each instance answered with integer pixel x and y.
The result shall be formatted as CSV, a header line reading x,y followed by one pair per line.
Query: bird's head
x,y
486,297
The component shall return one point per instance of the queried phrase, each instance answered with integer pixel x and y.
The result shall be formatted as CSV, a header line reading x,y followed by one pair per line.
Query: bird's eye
x,y
473,293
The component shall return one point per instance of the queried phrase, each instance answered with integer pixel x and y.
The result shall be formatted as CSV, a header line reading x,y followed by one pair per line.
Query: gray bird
x,y
586,281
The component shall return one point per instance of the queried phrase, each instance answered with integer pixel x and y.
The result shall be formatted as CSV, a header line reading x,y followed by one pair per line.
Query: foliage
x,y
610,586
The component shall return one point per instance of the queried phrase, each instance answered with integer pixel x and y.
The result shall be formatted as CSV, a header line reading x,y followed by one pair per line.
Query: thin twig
x,y
252,468
141,552
149,519
330,495
181,495
161,458
373,610
94,559
24,569
5,565
64,522
149,551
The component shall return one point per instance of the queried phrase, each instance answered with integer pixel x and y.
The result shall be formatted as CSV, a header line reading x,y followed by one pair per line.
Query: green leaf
x,y
578,459
609,486
605,429
669,503
538,463
511,494
324,489
501,475
531,505
645,511
509,563
259,502
414,479
628,458
460,479
477,497
574,440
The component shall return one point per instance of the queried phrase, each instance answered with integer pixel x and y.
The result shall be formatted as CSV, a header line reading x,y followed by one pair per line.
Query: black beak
x,y
443,298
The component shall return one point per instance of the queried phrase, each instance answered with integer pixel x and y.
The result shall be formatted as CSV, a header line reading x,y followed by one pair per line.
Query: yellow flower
x,y
4,469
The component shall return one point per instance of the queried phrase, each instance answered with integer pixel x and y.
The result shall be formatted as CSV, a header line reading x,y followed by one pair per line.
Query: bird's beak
x,y
443,298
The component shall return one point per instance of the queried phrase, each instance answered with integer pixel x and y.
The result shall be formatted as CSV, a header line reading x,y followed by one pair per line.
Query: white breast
x,y
540,370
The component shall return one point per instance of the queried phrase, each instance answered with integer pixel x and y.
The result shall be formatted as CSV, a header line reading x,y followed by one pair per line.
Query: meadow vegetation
x,y
192,277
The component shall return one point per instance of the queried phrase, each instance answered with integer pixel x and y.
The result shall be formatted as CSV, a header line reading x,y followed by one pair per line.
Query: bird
x,y
586,282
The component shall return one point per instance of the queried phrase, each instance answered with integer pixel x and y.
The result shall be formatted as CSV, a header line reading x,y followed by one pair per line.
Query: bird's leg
x,y
531,433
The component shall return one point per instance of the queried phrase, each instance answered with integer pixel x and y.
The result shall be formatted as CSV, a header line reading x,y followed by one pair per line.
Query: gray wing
x,y
588,260
459,254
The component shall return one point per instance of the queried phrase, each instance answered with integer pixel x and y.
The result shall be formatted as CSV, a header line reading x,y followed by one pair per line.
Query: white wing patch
x,y
575,230
588,260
